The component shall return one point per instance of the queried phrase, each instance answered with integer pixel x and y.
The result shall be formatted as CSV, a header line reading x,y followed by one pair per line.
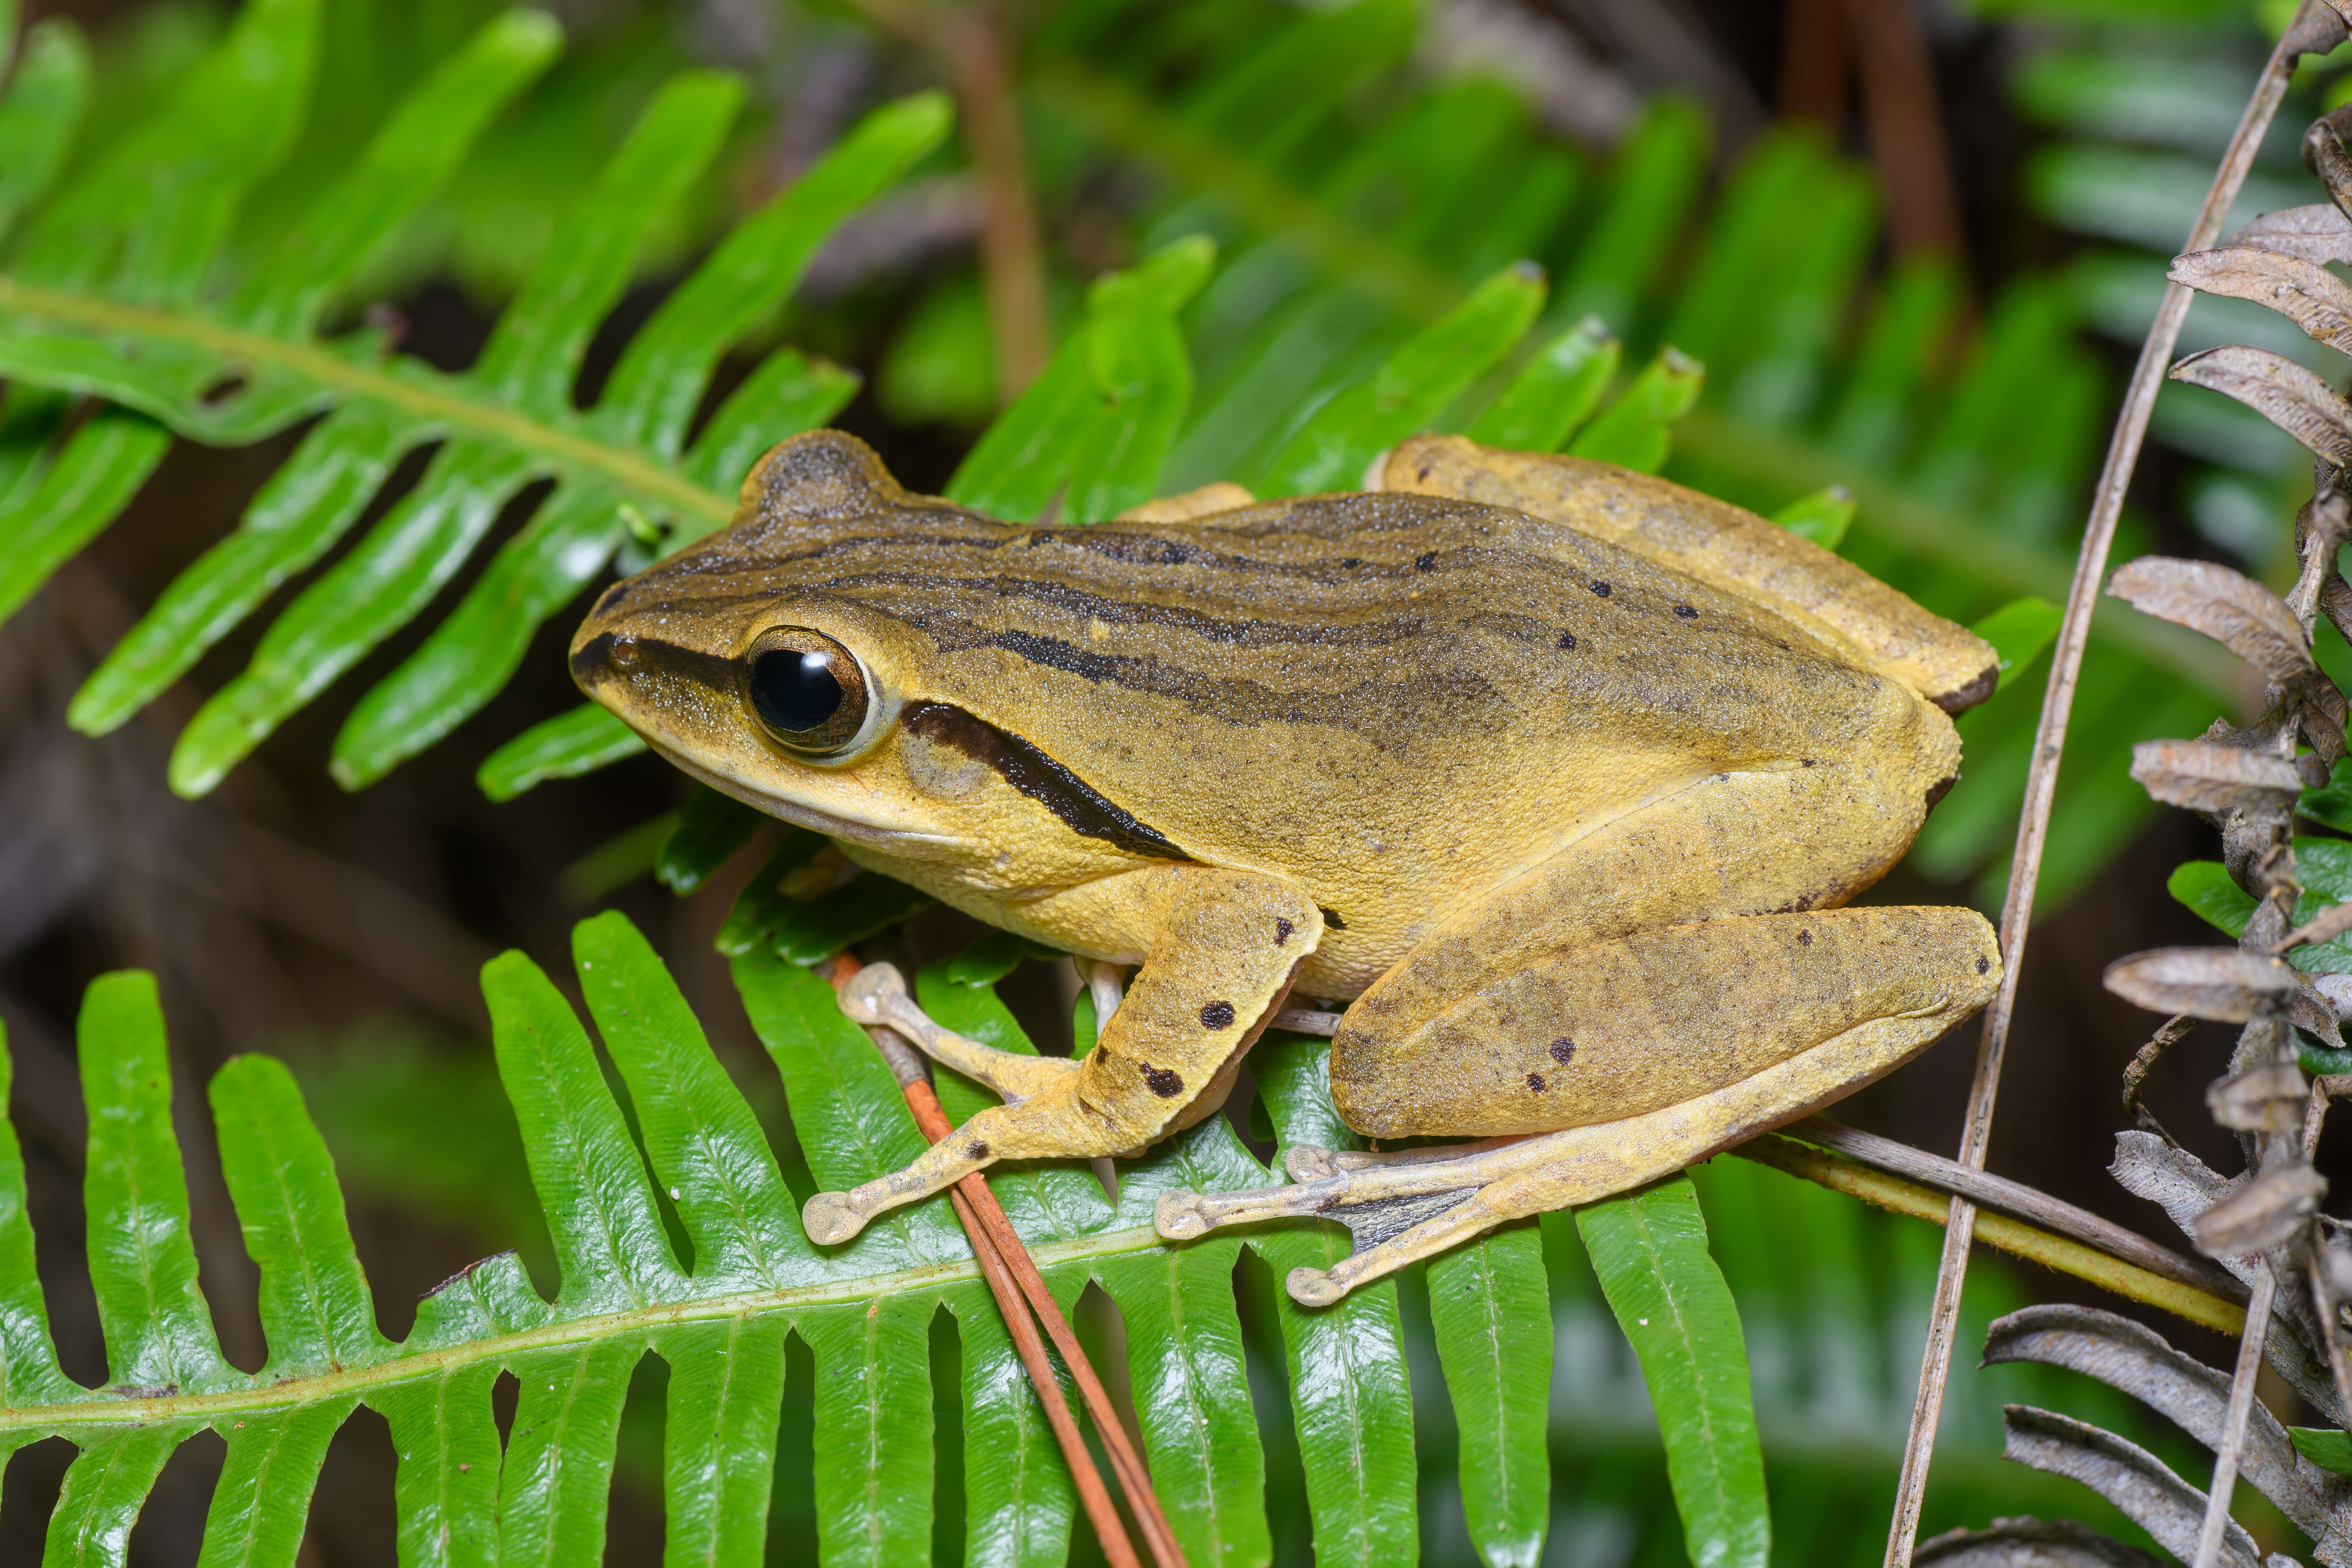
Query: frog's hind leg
x,y
1626,1060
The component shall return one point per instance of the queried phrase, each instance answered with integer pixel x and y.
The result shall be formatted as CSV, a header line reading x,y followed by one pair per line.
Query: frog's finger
x,y
1055,1123
876,996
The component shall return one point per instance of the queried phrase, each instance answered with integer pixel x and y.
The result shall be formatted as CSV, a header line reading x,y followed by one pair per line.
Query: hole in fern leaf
x,y
29,1495
352,1514
791,1511
171,1522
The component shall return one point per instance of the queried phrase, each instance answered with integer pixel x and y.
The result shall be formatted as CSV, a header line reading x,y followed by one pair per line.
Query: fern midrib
x,y
429,404
108,1411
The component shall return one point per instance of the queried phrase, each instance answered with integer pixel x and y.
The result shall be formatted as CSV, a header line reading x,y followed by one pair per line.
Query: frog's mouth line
x,y
881,834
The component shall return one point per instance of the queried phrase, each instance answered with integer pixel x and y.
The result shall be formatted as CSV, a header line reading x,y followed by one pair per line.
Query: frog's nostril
x,y
593,661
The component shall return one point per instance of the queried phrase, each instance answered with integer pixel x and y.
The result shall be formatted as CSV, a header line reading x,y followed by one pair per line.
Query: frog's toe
x,y
1314,1288
1178,1217
1306,1163
831,1218
1181,1217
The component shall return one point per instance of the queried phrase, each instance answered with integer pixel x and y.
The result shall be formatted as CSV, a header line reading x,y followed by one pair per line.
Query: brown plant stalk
x,y
2050,739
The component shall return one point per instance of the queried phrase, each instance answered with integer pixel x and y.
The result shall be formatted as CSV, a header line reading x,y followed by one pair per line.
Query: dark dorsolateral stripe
x,y
1039,777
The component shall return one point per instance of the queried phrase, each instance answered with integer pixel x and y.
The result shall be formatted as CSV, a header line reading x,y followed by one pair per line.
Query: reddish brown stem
x,y
1906,130
1814,57
1012,253
1108,1528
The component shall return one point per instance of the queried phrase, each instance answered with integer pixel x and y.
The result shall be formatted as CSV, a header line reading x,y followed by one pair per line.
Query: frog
x,y
1554,780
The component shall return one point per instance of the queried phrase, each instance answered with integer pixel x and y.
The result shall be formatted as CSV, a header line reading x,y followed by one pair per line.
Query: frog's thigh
x,y
1224,947
1732,844
1607,1030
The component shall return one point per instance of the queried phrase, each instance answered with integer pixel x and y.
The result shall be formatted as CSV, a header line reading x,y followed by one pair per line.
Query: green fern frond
x,y
110,290
718,1312
718,1315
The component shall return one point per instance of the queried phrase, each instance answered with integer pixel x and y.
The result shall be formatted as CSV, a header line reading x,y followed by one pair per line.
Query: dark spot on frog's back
x,y
1535,1082
1282,929
1563,1050
1217,1015
1983,965
976,1150
1686,612
1160,1081
1040,777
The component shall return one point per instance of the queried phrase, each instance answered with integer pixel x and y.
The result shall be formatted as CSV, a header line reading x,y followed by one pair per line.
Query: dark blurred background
x,y
2032,162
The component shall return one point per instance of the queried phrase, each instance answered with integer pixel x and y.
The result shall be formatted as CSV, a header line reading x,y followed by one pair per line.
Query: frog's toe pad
x,y
1181,1217
831,1218
1306,1163
1314,1288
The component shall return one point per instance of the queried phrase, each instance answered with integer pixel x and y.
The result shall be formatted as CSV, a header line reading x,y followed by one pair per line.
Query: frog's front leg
x,y
1646,1054
1225,944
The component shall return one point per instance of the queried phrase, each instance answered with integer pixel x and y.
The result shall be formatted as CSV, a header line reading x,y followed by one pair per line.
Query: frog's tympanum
x,y
1556,774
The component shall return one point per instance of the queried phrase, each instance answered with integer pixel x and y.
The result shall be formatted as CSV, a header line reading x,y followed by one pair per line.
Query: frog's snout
x,y
597,659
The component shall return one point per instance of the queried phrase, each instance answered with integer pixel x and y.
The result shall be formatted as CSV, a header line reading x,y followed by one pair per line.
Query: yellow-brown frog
x,y
1558,773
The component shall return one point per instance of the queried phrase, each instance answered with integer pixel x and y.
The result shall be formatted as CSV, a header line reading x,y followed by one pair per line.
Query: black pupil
x,y
794,691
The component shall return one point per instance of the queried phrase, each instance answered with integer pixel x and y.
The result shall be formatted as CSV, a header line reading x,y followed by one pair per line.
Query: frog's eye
x,y
809,691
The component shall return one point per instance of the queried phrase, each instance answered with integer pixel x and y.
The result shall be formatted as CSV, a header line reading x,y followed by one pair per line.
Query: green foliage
x,y
672,1229
1649,1250
114,290
718,1312
2323,1446
1821,518
2018,632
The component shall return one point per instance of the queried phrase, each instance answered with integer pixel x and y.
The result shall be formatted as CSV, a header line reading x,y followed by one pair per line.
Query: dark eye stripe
x,y
1039,777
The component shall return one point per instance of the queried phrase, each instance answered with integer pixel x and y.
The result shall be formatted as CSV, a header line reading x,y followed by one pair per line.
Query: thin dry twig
x,y
2233,1432
2176,1029
2065,668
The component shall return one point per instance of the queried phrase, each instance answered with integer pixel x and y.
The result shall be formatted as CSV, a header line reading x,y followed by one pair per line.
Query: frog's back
x,y
1348,659
1399,699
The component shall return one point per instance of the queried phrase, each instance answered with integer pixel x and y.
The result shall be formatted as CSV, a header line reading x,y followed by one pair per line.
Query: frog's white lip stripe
x,y
858,829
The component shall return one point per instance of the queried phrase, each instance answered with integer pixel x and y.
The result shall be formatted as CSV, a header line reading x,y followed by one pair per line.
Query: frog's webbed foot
x,y
1400,1207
